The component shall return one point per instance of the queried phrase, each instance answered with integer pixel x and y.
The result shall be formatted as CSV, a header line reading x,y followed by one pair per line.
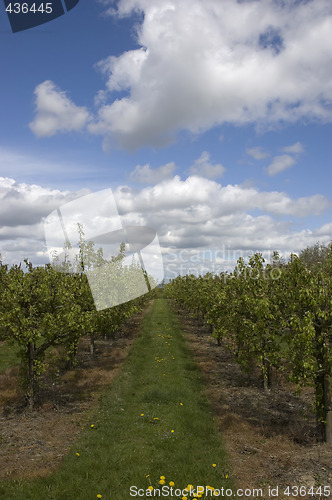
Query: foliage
x,y
42,307
273,315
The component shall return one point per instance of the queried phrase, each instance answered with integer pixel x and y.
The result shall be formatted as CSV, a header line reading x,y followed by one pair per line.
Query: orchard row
x,y
44,307
276,315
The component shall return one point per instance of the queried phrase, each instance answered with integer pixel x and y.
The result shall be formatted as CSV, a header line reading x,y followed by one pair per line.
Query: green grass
x,y
9,356
141,427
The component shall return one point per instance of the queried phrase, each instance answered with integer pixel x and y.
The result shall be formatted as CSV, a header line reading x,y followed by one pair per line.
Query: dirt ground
x,y
269,435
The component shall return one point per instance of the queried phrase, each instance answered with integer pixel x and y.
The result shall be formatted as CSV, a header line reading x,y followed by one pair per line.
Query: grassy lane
x,y
153,421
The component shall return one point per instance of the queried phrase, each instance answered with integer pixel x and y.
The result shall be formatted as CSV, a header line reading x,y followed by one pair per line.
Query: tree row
x,y
47,306
274,316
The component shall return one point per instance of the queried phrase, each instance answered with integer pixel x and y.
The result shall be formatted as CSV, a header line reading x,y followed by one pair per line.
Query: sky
x,y
210,121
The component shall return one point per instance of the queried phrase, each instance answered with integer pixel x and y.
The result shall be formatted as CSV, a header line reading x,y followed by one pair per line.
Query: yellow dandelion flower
x,y
227,476
184,498
148,475
92,425
150,488
162,477
142,414
162,481
214,465
77,454
172,430
181,404
99,496
171,483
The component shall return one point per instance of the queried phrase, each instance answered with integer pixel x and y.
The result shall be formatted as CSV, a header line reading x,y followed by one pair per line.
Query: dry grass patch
x,y
8,386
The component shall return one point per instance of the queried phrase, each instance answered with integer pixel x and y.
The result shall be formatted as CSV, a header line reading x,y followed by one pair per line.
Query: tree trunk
x,y
266,368
92,345
328,407
31,375
323,392
267,374
320,409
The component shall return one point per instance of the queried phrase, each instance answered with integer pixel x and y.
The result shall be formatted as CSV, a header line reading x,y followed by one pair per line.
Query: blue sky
x,y
211,122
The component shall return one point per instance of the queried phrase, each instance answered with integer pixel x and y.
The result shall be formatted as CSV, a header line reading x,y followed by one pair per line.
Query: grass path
x,y
153,421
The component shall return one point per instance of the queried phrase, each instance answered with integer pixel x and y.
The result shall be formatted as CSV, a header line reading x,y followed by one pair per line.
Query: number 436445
x,y
23,8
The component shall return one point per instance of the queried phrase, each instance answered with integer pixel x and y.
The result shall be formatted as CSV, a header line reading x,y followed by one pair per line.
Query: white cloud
x,y
253,62
124,72
23,207
294,148
204,168
147,175
198,198
325,229
257,153
25,204
55,112
199,215
191,215
280,163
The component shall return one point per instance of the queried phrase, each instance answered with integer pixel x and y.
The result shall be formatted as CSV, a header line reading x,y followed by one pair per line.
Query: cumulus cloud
x,y
192,215
280,163
198,216
23,207
202,166
294,148
55,112
257,153
25,204
254,62
198,198
147,175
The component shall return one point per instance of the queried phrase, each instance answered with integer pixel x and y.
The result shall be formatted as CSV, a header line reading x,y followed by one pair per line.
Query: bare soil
x,y
269,435
33,443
